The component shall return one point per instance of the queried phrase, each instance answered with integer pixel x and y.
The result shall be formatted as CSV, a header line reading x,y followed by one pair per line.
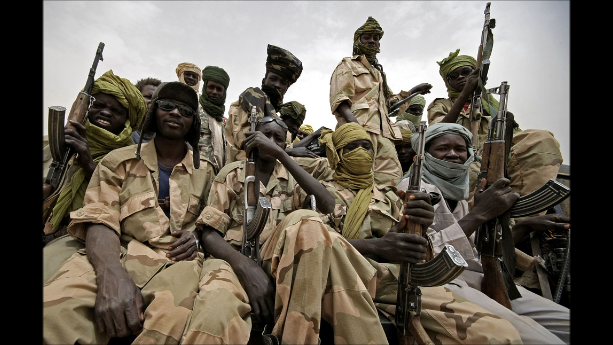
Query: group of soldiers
x,y
145,237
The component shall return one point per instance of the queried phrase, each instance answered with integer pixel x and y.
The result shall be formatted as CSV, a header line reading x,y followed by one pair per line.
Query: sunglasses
x,y
268,119
466,71
167,105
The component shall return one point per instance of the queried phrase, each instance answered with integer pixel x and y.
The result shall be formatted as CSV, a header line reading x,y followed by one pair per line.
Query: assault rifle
x,y
61,153
256,210
442,269
483,64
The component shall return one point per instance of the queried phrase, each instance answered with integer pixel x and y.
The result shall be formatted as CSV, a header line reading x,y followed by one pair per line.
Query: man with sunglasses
x,y
359,93
140,270
535,155
308,273
282,70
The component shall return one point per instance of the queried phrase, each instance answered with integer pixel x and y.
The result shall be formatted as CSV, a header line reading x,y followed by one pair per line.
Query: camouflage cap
x,y
294,110
371,26
284,63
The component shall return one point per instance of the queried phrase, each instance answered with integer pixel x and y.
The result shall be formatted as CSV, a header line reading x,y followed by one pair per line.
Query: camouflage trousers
x,y
447,317
534,159
387,168
56,252
317,274
69,298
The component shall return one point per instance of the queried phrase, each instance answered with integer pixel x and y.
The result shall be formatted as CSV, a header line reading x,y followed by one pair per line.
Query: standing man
x,y
189,74
140,270
359,93
282,70
212,101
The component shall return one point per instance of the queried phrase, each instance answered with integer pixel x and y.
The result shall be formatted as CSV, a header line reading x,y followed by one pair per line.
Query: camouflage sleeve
x,y
342,85
101,202
218,214
318,167
437,111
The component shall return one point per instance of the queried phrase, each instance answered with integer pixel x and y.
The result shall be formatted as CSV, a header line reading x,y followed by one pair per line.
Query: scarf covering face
x,y
352,170
101,141
450,178
187,66
283,63
419,100
294,110
454,61
214,108
371,27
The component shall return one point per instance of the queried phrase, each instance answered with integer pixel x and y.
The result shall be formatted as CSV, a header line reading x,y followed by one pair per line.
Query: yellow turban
x,y
186,66
306,128
353,170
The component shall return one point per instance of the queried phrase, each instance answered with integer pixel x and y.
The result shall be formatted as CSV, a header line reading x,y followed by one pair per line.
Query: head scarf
x,y
215,108
284,63
353,170
100,141
187,66
371,26
406,134
450,178
454,61
294,110
419,100
304,128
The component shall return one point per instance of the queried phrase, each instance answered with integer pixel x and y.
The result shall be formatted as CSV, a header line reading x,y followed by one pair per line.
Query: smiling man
x,y
282,70
189,74
140,272
211,109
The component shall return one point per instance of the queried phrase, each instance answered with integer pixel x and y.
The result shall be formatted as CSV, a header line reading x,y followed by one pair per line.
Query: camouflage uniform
x,y
212,144
238,120
539,320
442,310
358,83
534,158
122,195
318,274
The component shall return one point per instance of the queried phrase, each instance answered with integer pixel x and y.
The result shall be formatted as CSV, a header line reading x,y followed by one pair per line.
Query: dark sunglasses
x,y
268,119
466,71
167,105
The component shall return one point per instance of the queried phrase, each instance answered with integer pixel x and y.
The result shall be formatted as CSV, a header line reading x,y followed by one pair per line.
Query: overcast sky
x,y
149,39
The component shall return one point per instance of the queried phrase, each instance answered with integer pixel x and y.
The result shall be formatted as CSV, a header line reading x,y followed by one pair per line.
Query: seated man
x,y
118,110
140,269
303,131
308,273
293,114
535,155
448,155
370,216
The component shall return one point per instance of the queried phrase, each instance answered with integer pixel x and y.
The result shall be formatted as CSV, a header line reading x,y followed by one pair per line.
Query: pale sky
x,y
150,38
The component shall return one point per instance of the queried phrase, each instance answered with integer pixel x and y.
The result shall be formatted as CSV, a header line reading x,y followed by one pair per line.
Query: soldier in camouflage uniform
x,y
316,274
212,144
282,70
535,155
140,269
359,93
539,320
373,232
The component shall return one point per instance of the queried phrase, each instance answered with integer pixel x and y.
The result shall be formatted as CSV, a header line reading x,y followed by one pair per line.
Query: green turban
x,y
454,61
101,141
370,27
353,170
294,110
213,107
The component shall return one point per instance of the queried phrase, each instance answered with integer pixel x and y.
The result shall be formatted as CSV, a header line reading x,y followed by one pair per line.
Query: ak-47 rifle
x,y
61,153
483,64
438,271
256,209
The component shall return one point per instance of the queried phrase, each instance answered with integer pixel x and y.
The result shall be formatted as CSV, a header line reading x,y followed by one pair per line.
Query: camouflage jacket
x,y
122,194
238,121
354,80
212,144
383,212
225,205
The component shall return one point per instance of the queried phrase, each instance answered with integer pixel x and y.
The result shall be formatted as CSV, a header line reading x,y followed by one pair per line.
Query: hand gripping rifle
x,y
61,153
483,63
256,209
442,269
